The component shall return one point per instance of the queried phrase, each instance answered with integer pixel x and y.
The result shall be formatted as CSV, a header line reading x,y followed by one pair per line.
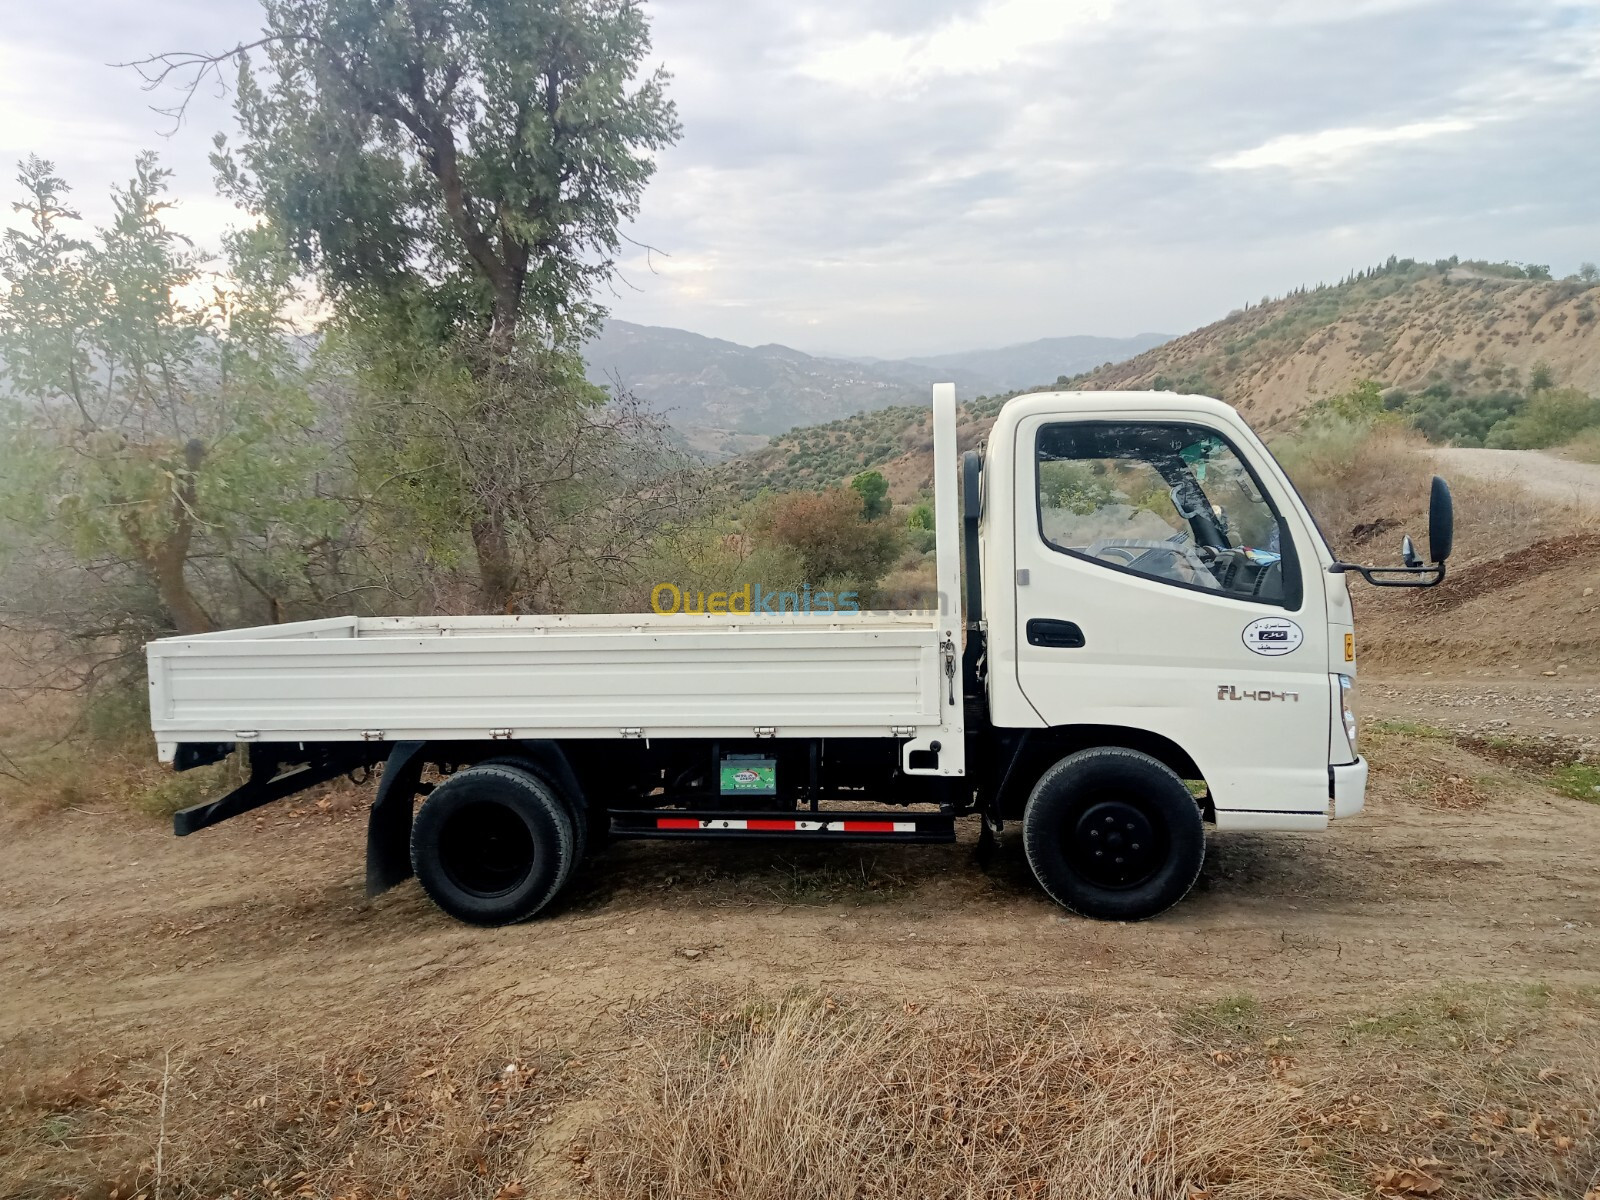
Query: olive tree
x,y
154,425
454,172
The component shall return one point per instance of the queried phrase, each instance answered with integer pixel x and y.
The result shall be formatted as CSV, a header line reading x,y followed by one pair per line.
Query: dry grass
x,y
1464,1091
1467,1091
1368,485
1354,476
1585,447
406,1115
807,1099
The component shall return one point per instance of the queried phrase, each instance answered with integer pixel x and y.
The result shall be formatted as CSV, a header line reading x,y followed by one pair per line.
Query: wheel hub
x,y
1114,844
486,849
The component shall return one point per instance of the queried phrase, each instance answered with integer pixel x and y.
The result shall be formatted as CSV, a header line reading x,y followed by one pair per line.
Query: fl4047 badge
x,y
1227,691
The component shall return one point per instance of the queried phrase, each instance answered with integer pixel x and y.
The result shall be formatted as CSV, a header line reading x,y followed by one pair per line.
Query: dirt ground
x,y
109,925
122,945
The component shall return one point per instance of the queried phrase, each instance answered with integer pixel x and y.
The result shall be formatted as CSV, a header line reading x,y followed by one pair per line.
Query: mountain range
x,y
1459,329
723,398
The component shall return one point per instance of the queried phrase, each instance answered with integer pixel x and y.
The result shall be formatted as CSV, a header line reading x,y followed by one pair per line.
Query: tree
x,y
455,172
1363,401
144,433
1542,378
828,533
588,487
873,489
1588,272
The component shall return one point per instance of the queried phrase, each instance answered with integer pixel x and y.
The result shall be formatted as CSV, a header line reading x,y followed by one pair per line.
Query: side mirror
x,y
1441,521
1415,572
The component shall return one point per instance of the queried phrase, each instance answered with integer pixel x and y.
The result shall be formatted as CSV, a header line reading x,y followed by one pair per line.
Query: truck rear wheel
x,y
1112,833
492,845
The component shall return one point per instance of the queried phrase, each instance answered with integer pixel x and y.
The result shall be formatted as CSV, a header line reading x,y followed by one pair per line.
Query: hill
x,y
723,397
1460,331
1033,364
1472,326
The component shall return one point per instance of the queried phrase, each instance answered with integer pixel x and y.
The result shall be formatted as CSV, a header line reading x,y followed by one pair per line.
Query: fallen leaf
x,y
1407,1181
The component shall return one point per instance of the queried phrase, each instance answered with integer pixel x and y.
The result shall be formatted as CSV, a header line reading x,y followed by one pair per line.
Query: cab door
x,y
1160,588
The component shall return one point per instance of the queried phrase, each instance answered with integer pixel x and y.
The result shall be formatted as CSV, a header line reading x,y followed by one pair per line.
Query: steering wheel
x,y
1113,553
1128,552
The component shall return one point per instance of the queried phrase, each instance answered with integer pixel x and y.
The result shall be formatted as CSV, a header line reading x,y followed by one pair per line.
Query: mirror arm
x,y
1420,576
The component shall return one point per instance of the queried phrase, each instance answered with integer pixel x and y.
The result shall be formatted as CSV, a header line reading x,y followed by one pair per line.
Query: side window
x,y
1172,502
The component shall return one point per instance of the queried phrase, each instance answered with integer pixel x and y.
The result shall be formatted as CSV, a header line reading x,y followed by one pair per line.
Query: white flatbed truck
x,y
1153,636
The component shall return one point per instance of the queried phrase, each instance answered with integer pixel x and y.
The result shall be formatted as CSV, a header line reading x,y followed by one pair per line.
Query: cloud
x,y
908,176
1332,147
999,34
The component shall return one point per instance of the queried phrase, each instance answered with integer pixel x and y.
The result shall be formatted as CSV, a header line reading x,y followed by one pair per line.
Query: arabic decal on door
x,y
1272,636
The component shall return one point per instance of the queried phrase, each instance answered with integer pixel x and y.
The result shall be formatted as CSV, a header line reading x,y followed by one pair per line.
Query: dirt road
x,y
1559,480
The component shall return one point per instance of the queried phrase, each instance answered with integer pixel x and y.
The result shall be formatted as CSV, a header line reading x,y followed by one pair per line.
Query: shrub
x,y
1462,418
1548,419
829,534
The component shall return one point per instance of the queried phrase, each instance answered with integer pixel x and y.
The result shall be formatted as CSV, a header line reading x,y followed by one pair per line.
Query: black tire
x,y
1113,834
492,845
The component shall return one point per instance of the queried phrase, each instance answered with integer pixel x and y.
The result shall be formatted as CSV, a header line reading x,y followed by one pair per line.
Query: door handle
x,y
1064,635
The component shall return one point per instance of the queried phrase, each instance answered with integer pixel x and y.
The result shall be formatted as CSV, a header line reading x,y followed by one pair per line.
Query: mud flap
x,y
389,823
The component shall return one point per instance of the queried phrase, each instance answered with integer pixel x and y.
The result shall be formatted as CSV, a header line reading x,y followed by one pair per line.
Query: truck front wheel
x,y
493,844
1112,833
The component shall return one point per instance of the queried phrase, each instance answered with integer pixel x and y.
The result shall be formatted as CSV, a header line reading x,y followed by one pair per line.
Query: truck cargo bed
x,y
866,674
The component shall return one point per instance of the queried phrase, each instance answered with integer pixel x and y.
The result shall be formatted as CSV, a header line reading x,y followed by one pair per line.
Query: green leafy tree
x,y
456,173
1588,272
145,432
873,489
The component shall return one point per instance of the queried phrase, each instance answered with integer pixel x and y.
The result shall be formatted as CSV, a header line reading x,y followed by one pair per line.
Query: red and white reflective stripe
x,y
754,825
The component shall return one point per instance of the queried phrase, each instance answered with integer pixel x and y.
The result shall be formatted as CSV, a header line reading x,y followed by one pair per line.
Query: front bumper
x,y
1347,788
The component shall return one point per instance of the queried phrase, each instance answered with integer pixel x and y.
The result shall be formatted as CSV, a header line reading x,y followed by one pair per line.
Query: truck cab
x,y
1148,567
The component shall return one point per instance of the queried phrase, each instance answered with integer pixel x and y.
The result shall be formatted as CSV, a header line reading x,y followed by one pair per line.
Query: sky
x,y
904,177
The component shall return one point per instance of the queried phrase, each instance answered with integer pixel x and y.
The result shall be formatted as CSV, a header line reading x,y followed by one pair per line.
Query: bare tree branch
x,y
188,69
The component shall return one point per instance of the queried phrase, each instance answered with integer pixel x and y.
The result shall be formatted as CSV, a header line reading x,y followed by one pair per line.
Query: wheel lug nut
x,y
1136,845
1099,853
1119,860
